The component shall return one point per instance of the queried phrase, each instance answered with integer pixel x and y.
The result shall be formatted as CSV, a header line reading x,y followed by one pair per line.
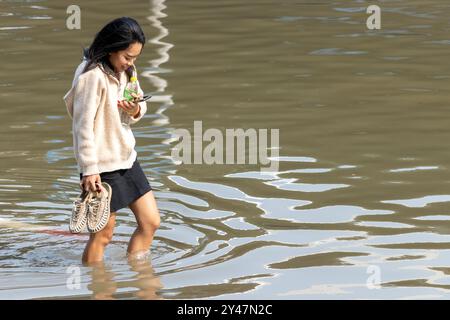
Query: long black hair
x,y
115,36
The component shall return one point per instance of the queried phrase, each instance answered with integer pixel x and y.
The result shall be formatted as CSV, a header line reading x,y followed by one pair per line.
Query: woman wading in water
x,y
103,140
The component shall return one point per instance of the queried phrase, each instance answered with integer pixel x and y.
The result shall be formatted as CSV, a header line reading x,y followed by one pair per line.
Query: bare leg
x,y
98,241
148,220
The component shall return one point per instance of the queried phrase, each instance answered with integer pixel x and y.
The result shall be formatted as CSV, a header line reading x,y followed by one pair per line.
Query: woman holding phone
x,y
103,140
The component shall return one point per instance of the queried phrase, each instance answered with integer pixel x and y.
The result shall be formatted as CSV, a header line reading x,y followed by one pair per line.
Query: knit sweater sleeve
x,y
87,95
143,106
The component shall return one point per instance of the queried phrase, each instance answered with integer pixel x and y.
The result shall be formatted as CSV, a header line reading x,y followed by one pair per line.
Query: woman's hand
x,y
91,183
132,108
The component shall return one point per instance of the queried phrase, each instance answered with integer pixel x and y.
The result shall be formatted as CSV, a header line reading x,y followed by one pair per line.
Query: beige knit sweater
x,y
102,137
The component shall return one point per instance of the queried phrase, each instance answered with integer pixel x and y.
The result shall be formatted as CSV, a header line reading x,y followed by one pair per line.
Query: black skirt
x,y
127,185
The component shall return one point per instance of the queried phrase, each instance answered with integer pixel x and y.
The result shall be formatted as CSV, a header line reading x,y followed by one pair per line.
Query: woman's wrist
x,y
137,113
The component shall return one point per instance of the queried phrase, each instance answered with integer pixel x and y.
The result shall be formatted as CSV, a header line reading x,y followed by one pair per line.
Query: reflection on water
x,y
360,193
106,284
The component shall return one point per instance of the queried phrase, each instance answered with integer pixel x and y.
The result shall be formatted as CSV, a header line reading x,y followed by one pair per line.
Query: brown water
x,y
363,183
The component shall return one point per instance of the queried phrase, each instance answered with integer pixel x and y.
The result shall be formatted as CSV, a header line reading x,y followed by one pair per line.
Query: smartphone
x,y
145,98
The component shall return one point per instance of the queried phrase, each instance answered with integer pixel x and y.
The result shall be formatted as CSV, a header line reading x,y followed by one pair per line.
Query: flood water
x,y
357,208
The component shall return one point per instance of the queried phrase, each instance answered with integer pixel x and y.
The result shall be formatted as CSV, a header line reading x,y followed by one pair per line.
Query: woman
x,y
103,140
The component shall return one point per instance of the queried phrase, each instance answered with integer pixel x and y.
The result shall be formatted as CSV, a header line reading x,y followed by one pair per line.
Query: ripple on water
x,y
14,28
323,215
290,185
336,52
419,202
414,169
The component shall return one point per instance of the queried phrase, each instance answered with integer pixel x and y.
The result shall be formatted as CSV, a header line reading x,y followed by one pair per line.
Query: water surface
x,y
362,189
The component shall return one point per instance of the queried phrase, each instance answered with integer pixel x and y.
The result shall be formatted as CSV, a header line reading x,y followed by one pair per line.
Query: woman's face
x,y
123,59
